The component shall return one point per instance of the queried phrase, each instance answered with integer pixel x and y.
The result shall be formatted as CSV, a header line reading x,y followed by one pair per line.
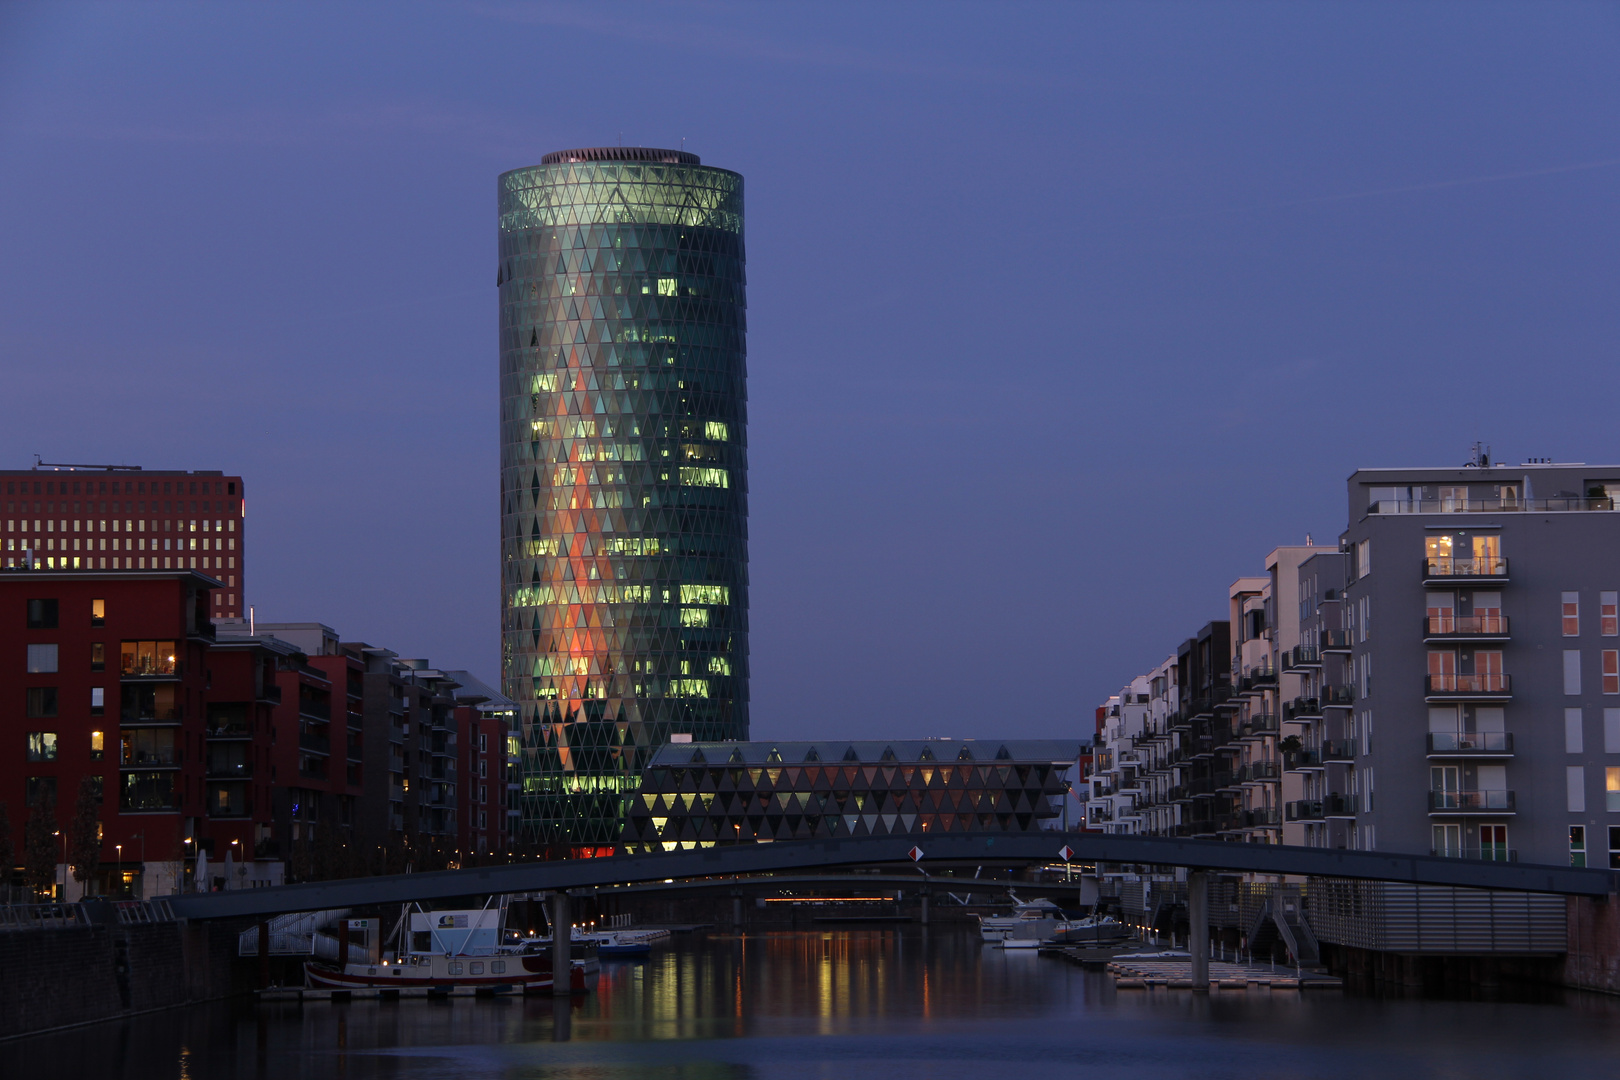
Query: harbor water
x,y
890,1004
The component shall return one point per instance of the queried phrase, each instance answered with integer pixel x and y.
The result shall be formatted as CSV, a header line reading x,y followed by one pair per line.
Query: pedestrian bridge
x,y
942,854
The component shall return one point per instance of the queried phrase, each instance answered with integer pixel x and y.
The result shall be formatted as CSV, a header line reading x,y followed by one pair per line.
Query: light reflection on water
x,y
850,1005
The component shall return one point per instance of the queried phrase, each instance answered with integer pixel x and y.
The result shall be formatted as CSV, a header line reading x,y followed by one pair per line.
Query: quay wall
x,y
53,977
1593,959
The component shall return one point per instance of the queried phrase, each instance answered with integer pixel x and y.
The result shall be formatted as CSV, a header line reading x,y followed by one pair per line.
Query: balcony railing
x,y
1339,806
1259,725
1471,802
1338,750
1335,641
1488,852
1470,743
1302,709
1304,810
1466,626
319,744
1304,656
1490,506
1340,696
1447,566
1257,771
1295,760
1263,818
1490,683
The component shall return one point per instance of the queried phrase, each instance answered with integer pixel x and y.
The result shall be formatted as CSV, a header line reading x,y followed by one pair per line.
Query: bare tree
x,y
8,849
39,843
84,832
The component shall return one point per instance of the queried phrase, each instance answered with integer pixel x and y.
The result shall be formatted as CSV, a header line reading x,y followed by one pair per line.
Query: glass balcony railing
x,y
1449,566
1488,852
1471,802
1304,810
1491,506
1490,682
1465,626
1335,641
1470,742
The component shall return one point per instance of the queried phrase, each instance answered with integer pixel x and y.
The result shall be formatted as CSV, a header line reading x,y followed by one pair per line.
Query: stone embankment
x,y
73,964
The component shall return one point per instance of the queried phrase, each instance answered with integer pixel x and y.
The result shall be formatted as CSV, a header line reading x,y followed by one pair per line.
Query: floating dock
x,y
1138,971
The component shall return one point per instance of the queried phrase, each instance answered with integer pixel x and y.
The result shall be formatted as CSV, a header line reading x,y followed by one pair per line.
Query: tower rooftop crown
x,y
621,153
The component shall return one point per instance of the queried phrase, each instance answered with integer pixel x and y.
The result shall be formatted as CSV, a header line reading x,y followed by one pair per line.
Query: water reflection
x,y
888,1005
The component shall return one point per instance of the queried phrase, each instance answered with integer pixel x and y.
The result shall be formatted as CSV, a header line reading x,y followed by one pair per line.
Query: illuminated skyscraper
x,y
624,559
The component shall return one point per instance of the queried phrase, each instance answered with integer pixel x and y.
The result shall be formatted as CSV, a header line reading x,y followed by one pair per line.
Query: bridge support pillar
x,y
924,895
562,945
1198,927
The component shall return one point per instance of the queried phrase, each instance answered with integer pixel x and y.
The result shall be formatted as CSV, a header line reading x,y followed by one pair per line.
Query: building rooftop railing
x,y
1557,505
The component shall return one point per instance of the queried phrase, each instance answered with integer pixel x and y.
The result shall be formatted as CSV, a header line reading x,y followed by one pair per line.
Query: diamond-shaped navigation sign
x,y
1066,853
916,854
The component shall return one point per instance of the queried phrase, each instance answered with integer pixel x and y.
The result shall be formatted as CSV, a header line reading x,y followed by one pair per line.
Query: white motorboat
x,y
459,951
1025,914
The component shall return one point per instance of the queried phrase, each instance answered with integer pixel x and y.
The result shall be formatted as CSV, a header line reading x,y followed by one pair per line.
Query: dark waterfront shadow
x,y
890,1004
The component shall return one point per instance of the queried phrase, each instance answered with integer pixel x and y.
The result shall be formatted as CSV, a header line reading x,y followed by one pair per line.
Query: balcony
x,y
1561,505
1455,686
1263,724
1489,853
1259,772
1267,817
1301,760
1304,810
270,693
1440,628
1470,744
1446,570
1335,641
1339,806
1471,802
315,743
1305,657
1337,697
1339,750
1302,709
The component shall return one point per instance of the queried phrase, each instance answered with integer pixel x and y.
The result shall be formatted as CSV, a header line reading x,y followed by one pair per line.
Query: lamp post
x,y
119,848
63,835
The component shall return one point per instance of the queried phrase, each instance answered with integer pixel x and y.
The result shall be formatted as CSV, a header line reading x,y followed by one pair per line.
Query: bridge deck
x,y
940,849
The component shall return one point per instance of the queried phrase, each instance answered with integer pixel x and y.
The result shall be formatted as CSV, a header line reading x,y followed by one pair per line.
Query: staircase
x,y
1282,917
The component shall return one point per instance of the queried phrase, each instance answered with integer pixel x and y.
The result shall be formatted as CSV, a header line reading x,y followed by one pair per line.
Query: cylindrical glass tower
x,y
624,509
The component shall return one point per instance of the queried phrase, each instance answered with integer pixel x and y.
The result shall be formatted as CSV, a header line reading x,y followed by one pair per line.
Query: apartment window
x,y
1611,788
41,701
41,659
42,746
40,789
1366,733
98,656
1364,558
1366,775
1572,614
1493,842
1572,731
1611,671
1577,845
1446,840
1611,731
1609,614
1614,847
42,614
1572,671
98,610
147,658
1575,789
98,745
1365,620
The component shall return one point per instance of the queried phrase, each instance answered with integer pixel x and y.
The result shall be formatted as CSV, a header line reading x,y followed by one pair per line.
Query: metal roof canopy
x,y
576,874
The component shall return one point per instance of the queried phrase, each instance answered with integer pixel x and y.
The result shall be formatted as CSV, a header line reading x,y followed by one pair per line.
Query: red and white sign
x,y
1066,853
916,854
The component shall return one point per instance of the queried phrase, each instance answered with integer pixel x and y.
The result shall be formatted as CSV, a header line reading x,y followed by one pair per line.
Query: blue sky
x,y
1061,316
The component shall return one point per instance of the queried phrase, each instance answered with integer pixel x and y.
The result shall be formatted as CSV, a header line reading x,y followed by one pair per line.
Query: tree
x,y
39,843
8,850
84,832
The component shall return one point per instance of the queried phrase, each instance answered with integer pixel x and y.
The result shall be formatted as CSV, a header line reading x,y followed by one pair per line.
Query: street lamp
x,y
59,832
119,848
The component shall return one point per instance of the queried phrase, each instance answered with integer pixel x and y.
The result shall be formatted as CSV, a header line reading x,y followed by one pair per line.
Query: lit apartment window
x,y
42,746
98,612
1611,787
1572,614
1611,671
1609,614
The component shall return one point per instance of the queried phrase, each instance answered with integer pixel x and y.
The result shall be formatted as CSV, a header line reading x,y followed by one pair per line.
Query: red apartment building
x,y
121,518
487,764
106,676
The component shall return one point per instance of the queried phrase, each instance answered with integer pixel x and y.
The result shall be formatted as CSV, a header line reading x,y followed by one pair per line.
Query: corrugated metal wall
x,y
1401,918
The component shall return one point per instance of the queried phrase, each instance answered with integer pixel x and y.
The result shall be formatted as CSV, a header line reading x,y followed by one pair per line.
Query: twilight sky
x,y
1061,316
